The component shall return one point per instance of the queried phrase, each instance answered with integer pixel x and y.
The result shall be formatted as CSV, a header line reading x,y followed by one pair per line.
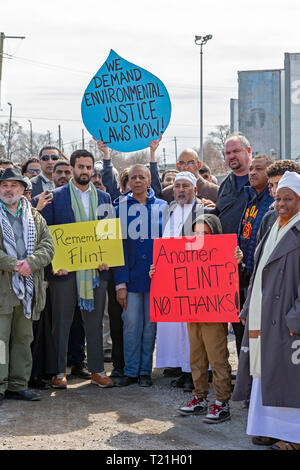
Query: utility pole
x,y
59,137
82,138
9,132
165,163
31,149
49,137
2,37
175,140
200,41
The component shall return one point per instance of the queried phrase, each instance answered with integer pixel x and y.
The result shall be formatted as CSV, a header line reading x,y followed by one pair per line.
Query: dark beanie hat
x,y
212,221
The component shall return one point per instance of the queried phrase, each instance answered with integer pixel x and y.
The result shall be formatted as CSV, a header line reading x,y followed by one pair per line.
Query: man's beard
x,y
236,165
10,200
185,200
82,182
61,182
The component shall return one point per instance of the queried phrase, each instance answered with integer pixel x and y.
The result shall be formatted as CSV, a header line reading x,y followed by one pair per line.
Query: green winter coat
x,y
43,253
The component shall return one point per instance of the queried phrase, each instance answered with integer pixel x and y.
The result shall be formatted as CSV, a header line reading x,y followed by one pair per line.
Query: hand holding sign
x,y
125,106
103,148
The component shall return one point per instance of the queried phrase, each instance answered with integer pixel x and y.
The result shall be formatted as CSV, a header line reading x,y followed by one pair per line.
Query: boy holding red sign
x,y
208,345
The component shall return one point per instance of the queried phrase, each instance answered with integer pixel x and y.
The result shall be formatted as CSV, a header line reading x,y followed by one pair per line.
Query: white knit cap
x,y
290,180
188,176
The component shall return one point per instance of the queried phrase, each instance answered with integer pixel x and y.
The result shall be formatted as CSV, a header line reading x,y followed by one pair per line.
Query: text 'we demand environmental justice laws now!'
x,y
125,104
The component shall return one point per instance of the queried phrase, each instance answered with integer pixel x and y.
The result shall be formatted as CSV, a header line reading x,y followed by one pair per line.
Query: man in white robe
x,y
172,340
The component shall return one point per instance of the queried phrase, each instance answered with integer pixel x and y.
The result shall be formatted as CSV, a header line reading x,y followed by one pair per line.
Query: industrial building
x,y
267,110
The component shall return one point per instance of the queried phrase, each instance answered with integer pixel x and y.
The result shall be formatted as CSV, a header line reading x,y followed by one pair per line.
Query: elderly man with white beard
x,y
172,343
26,247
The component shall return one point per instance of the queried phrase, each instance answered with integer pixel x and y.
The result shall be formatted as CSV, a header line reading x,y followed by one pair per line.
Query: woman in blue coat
x,y
141,215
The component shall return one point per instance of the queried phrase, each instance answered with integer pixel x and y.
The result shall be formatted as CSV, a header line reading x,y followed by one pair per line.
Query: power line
x,y
55,66
43,118
42,64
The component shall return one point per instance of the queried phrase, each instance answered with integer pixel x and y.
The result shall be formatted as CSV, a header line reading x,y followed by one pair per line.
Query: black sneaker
x,y
26,395
196,406
188,384
81,371
172,371
218,412
145,381
38,383
124,381
178,383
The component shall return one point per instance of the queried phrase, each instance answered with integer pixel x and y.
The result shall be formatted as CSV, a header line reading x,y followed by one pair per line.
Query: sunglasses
x,y
45,158
33,170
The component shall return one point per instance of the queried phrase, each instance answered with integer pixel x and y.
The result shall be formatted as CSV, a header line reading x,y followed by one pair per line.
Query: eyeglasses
x,y
33,170
45,158
190,163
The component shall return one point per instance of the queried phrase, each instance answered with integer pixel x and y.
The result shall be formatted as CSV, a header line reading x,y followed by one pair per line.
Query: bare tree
x,y
2,151
213,158
219,136
20,143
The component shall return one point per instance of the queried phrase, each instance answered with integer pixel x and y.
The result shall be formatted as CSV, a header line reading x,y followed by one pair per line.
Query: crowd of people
x,y
50,320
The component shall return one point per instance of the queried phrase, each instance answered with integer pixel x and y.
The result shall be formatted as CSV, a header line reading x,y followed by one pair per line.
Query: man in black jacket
x,y
232,199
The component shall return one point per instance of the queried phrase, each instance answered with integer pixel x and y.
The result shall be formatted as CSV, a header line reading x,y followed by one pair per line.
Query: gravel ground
x,y
87,417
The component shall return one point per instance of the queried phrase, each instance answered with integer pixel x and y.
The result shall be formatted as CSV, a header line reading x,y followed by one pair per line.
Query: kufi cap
x,y
290,180
186,175
98,167
98,164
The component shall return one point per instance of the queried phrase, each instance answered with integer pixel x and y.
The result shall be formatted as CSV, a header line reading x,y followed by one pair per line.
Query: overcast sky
x,y
67,42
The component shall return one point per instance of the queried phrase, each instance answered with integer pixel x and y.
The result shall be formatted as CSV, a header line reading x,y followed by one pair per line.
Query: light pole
x,y
200,41
9,131
59,138
2,37
82,138
30,136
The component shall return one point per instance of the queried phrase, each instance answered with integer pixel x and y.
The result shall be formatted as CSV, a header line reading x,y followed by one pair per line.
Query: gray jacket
x,y
280,352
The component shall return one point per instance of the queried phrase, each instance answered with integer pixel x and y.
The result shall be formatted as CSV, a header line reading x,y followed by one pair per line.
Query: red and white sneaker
x,y
196,406
218,412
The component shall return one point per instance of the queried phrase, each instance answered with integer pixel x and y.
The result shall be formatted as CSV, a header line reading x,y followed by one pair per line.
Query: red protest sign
x,y
200,284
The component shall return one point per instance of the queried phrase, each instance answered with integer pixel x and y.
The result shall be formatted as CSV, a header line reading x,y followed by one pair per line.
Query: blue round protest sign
x,y
125,106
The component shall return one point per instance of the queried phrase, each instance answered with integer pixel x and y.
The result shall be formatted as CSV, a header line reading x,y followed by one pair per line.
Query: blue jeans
x,y
138,335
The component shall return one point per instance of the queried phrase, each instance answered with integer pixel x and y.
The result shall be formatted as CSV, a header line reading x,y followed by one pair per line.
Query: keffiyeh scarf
x,y
22,286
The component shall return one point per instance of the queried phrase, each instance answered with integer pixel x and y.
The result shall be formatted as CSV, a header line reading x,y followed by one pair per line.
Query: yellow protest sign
x,y
85,245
